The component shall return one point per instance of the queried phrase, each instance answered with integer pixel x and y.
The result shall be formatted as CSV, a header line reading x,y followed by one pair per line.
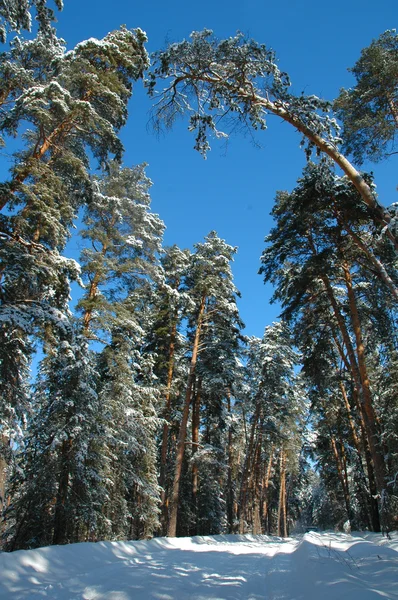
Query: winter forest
x,y
133,405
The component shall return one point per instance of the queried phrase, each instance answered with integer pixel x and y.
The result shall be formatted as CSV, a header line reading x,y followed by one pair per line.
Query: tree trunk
x,y
173,512
165,432
60,517
93,290
380,269
379,214
230,490
356,376
341,476
257,491
282,529
369,414
246,472
351,421
4,444
41,149
267,479
195,443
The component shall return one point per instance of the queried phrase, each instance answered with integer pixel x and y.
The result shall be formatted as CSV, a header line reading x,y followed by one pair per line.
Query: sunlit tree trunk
x,y
257,488
267,479
369,413
230,490
282,525
173,512
195,443
356,376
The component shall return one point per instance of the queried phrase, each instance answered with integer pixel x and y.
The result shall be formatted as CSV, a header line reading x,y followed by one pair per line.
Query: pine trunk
x,y
173,513
368,410
60,517
195,443
93,290
342,478
230,490
165,432
267,480
282,529
380,215
4,443
380,269
257,491
357,380
246,473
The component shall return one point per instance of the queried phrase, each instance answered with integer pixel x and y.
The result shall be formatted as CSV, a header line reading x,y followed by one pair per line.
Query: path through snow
x,y
316,566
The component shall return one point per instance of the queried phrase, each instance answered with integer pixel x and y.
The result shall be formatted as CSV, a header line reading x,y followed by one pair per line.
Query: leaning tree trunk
x,y
380,215
377,264
173,513
341,473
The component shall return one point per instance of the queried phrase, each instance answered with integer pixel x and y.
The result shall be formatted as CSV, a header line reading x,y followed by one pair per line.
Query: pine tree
x,y
240,78
57,496
321,272
212,292
218,370
125,244
14,399
16,15
271,402
121,267
129,401
168,346
70,105
369,110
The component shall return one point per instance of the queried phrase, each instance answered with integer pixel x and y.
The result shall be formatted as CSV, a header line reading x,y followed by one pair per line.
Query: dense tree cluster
x,y
149,412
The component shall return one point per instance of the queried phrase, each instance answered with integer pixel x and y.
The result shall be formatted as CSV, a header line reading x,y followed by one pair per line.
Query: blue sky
x,y
233,190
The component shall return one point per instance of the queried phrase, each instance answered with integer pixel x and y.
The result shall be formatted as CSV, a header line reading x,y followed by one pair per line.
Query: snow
x,y
326,566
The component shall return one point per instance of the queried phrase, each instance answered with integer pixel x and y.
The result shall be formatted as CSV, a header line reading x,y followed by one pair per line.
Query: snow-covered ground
x,y
316,566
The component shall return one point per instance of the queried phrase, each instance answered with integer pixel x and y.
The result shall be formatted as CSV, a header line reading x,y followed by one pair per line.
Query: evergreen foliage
x,y
150,413
16,15
369,110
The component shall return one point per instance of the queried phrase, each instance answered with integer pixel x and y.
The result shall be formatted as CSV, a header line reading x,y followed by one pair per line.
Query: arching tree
x,y
239,80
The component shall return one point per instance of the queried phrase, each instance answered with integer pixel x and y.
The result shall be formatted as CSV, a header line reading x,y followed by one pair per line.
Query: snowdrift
x,y
316,566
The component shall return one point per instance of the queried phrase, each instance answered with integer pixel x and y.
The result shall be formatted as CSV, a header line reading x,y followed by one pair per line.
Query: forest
x,y
137,407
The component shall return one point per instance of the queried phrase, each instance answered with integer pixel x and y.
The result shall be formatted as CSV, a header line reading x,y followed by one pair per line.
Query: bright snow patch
x,y
316,566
